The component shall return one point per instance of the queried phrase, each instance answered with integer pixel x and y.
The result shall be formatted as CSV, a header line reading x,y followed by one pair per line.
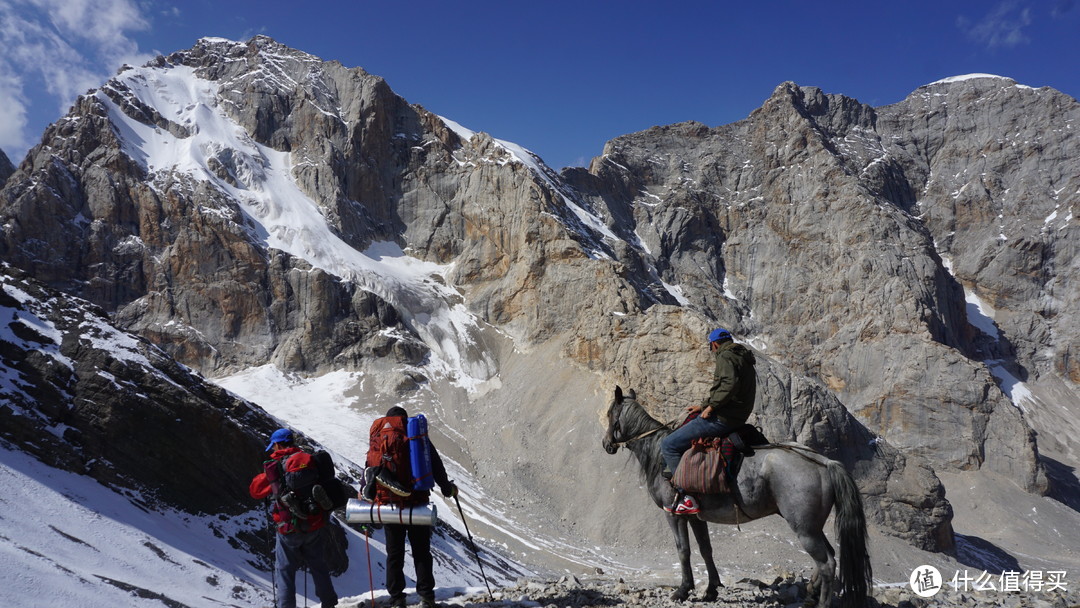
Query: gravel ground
x,y
782,592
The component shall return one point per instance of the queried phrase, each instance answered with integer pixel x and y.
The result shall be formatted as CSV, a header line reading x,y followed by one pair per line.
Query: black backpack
x,y
309,484
338,491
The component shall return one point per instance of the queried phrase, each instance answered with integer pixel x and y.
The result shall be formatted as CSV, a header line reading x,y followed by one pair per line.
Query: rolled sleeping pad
x,y
362,512
420,453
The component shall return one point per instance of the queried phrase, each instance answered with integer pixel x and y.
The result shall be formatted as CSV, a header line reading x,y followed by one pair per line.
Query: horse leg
x,y
701,534
823,555
682,544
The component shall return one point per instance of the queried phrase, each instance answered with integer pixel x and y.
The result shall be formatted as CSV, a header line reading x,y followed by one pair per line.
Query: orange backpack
x,y
389,448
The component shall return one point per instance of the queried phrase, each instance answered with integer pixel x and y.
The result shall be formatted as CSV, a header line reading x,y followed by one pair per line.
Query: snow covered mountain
x,y
294,230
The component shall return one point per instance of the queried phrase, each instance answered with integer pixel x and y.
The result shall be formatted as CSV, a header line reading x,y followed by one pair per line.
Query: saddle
x,y
712,464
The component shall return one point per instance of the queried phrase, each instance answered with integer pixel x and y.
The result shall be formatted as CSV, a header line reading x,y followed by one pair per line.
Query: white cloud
x,y
55,50
12,113
1002,27
101,23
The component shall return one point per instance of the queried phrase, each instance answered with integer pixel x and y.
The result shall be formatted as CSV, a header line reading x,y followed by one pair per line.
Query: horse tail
x,y
855,572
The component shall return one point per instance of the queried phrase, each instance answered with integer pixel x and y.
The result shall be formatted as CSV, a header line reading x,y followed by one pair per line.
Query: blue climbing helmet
x,y
719,334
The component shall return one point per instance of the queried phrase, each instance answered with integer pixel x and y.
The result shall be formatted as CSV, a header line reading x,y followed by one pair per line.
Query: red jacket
x,y
262,487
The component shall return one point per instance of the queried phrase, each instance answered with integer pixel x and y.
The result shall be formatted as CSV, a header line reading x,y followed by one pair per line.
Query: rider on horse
x,y
730,401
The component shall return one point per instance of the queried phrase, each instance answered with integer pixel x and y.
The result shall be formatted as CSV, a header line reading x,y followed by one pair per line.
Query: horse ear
x,y
618,393
633,395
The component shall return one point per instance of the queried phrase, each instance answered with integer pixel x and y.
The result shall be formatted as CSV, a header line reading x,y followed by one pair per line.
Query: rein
x,y
794,448
617,429
641,436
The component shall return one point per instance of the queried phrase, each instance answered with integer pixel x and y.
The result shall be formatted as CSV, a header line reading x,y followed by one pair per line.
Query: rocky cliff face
x,y
6,168
245,203
991,168
806,223
86,397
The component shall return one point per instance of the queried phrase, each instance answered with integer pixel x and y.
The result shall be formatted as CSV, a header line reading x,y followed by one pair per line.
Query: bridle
x,y
616,430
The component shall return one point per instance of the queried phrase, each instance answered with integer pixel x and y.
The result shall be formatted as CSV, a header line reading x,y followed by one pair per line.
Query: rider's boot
x,y
684,504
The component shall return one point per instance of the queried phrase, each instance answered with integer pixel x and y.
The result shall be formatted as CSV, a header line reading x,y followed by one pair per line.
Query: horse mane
x,y
635,420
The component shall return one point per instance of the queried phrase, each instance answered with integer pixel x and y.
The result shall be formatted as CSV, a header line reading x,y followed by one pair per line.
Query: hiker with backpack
x,y
394,477
727,407
300,511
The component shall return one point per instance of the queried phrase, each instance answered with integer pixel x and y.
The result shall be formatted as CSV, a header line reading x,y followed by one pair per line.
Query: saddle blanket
x,y
711,465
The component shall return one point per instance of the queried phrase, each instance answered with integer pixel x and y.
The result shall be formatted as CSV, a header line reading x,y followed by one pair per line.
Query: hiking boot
x,y
386,480
367,491
293,502
397,603
684,505
428,603
322,498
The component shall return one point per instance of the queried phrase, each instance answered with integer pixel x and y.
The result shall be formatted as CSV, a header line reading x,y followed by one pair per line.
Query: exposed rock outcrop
x,y
83,396
6,168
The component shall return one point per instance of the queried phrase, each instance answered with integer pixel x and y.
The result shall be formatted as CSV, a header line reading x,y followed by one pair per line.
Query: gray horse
x,y
787,479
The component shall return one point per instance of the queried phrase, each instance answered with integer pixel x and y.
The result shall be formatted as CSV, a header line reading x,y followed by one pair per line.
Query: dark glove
x,y
449,490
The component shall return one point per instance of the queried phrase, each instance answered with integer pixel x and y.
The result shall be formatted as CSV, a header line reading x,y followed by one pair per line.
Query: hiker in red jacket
x,y
301,536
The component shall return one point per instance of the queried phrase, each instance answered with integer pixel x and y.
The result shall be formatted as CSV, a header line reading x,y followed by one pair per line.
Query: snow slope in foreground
x,y
70,541
66,540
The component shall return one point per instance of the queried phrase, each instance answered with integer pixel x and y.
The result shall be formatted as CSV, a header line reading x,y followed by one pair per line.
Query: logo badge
x,y
925,581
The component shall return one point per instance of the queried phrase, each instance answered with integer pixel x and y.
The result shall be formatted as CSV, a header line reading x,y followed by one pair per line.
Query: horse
x,y
787,479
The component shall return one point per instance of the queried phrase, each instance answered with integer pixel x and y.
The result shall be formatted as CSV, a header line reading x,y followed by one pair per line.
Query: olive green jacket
x,y
734,384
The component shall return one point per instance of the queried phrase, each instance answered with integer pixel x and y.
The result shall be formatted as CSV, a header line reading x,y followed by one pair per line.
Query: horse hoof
x,y
680,595
711,595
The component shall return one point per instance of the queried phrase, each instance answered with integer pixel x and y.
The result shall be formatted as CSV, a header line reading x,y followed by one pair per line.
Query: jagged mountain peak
x,y
833,113
292,156
263,48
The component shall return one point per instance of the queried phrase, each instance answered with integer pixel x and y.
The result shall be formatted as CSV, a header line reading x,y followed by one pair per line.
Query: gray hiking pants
x,y
295,550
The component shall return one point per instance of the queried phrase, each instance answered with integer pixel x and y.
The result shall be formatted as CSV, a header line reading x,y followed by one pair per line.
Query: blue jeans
x,y
294,550
673,446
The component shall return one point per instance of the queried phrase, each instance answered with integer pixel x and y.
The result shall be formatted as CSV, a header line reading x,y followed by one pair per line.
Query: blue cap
x,y
719,334
280,436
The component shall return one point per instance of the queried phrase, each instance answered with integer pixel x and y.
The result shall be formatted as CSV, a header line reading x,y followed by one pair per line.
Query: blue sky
x,y
557,77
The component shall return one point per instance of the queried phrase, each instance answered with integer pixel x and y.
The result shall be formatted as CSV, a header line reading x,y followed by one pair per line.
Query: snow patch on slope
x,y
966,77
981,316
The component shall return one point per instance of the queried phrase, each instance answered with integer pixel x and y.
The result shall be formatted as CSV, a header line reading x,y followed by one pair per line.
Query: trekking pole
x,y
473,543
270,548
